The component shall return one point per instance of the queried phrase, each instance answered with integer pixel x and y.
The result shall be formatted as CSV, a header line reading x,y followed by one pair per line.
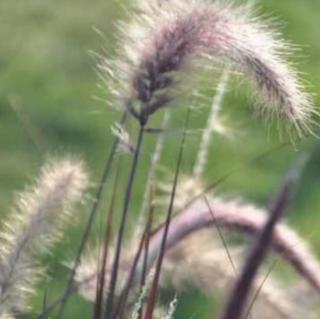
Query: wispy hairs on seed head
x,y
245,218
164,38
207,268
87,277
226,214
34,226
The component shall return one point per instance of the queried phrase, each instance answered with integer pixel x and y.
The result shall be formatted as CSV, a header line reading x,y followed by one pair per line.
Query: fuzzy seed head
x,y
36,223
164,39
210,271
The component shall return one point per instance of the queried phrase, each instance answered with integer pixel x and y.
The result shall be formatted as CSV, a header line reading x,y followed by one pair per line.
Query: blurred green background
x,y
48,106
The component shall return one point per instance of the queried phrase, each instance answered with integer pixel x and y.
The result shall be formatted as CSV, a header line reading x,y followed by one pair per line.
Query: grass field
x,y
48,86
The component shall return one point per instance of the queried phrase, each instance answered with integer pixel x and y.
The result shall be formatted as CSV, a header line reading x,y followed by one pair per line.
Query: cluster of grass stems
x,y
167,41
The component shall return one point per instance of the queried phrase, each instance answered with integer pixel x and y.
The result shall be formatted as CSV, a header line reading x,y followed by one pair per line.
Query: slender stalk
x,y
102,267
93,212
127,198
120,308
153,292
257,293
144,244
220,235
153,165
55,303
146,248
145,261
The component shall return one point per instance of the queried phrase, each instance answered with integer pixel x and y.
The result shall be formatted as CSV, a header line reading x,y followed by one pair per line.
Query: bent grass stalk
x,y
246,219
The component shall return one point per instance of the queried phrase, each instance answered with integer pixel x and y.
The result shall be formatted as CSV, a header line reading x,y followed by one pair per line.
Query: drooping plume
x,y
165,38
196,217
200,261
247,219
38,220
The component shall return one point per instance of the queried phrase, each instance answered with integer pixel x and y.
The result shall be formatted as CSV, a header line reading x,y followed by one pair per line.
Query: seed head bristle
x,y
245,218
34,226
162,40
227,214
207,268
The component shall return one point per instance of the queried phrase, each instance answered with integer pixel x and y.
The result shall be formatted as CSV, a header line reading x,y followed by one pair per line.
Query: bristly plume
x,y
164,38
201,262
36,223
197,217
246,218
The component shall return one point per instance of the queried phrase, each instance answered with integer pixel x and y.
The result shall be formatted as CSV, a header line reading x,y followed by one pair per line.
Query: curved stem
x,y
244,218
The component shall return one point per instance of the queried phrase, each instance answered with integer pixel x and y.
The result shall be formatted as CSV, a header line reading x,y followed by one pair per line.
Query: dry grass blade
x,y
212,124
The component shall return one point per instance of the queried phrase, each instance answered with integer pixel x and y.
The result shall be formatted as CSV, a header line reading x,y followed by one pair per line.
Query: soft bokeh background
x,y
48,86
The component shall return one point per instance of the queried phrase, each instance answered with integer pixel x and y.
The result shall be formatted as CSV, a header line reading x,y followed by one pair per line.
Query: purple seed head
x,y
164,38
